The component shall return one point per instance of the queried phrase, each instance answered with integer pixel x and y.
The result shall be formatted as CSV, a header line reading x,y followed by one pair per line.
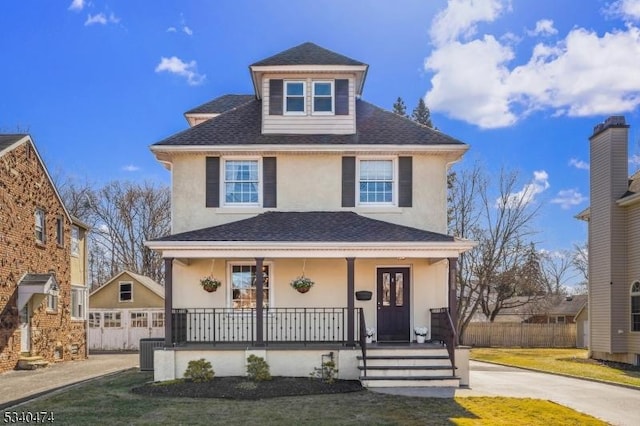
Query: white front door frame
x,y
25,328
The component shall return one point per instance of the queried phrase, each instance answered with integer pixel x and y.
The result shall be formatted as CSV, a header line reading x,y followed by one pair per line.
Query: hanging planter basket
x,y
302,284
210,284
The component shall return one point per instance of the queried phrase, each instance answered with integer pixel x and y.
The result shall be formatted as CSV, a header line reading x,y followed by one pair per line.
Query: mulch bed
x,y
243,388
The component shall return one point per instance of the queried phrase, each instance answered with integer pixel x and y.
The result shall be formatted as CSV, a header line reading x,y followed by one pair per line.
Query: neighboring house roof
x,y
221,104
310,227
570,305
242,126
307,54
142,279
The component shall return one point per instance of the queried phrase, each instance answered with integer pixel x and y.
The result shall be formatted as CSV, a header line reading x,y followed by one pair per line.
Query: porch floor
x,y
304,346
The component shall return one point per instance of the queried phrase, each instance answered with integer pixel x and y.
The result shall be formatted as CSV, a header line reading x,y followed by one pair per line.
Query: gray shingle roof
x,y
6,140
242,126
37,279
221,104
307,54
310,227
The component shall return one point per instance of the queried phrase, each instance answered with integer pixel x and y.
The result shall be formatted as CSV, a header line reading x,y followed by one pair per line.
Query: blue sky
x,y
523,82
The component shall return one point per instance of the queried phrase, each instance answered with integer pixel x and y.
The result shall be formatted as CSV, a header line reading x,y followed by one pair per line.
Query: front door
x,y
393,305
25,329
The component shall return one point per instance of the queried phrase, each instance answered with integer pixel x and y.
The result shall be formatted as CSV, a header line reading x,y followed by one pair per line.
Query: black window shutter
x,y
269,182
405,178
348,181
342,97
275,97
212,177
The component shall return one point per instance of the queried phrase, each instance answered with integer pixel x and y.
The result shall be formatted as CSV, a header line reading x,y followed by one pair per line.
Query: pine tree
x,y
400,108
421,114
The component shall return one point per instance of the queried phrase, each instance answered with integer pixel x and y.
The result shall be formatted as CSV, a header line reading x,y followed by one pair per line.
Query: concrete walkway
x,y
20,384
616,405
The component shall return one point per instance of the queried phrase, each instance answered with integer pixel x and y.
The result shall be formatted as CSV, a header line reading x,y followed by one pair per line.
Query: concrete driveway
x,y
616,405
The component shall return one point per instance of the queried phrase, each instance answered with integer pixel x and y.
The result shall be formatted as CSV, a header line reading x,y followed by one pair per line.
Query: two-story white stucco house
x,y
304,178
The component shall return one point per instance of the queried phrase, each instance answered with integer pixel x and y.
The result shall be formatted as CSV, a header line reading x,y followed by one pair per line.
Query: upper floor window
x,y
59,231
243,286
294,99
322,97
126,292
635,306
376,181
40,230
75,241
241,182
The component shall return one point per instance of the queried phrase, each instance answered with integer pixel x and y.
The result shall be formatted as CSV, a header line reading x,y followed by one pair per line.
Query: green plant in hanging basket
x,y
302,284
210,283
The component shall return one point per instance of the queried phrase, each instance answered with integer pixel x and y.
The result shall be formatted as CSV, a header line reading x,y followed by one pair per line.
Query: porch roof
x,y
344,233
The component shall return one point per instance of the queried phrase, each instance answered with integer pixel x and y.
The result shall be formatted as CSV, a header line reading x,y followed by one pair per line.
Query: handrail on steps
x,y
442,329
363,341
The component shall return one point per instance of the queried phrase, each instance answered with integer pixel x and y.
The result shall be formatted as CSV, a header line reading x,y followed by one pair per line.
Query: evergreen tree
x,y
400,108
421,114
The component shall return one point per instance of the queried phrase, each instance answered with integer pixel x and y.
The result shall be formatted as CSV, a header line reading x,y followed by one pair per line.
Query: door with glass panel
x,y
393,305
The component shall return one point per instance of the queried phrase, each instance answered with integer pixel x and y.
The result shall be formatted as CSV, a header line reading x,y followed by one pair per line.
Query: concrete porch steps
x,y
31,362
407,367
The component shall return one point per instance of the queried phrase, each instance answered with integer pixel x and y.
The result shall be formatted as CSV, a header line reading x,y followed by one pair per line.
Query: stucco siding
x,y
330,276
308,123
309,183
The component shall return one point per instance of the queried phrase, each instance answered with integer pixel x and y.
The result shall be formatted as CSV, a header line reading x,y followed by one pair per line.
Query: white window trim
x,y
223,182
114,315
75,247
56,297
313,97
60,231
83,295
40,225
140,315
120,291
631,295
90,322
304,98
395,188
230,266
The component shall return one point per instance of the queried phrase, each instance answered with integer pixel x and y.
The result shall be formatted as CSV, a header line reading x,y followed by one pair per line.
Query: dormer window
x,y
294,97
323,97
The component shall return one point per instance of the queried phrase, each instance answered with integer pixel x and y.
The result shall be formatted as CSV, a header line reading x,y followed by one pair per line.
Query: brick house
x,y
42,263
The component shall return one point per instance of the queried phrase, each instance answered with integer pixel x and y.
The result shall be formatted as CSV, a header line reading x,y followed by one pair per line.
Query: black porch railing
x,y
280,325
442,329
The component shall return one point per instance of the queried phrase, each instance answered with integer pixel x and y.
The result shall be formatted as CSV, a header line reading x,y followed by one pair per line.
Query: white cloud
x,y
526,195
101,19
187,30
629,9
544,27
460,17
579,164
130,168
568,198
584,74
634,160
175,65
77,5
171,30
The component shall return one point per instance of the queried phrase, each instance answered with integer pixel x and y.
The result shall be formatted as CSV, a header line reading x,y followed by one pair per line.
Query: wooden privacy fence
x,y
520,335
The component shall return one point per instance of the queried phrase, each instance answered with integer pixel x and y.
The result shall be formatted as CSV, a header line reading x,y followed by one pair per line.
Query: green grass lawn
x,y
108,401
572,362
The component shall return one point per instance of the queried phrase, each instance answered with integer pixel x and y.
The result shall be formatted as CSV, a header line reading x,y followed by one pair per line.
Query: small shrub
x,y
258,369
327,372
199,371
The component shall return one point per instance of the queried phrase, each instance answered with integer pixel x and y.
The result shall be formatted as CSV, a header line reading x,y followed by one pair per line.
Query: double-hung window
x,y
376,183
322,97
77,302
294,97
40,226
59,231
75,241
635,306
241,182
126,292
243,286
